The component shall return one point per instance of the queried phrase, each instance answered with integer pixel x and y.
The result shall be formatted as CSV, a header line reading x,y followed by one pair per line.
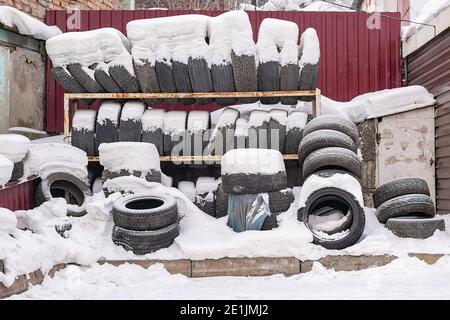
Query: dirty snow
x,y
253,161
14,146
26,24
84,120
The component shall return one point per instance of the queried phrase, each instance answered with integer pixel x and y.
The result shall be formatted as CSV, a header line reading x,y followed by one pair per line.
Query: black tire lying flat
x,y
81,74
73,187
408,205
17,172
148,80
293,139
145,212
245,75
200,76
106,81
415,228
124,79
400,187
144,242
332,158
358,218
182,80
223,81
329,122
309,75
289,81
221,203
69,83
323,139
240,183
269,80
166,80
280,201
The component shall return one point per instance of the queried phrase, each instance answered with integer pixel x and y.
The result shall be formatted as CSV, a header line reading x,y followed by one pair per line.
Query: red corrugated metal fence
x,y
20,196
355,59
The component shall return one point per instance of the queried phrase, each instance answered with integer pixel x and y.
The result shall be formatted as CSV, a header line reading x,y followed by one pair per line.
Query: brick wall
x,y
190,4
37,8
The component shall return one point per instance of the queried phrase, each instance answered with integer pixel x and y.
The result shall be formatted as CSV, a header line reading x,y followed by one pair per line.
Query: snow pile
x,y
84,120
252,161
47,158
299,5
242,127
109,110
87,48
26,24
198,120
326,6
280,116
132,110
188,189
175,122
14,146
153,119
206,185
131,156
258,118
8,221
309,47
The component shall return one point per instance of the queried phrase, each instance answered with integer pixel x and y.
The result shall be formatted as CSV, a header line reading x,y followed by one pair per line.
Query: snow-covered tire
x,y
221,202
280,201
124,79
80,73
269,80
329,122
322,139
144,242
107,131
166,80
293,140
400,187
148,80
223,81
309,75
294,174
83,138
258,136
241,183
156,137
358,221
332,158
145,212
200,76
17,172
270,223
130,131
415,228
419,205
152,176
69,83
289,81
106,81
282,130
77,190
245,75
208,207
182,80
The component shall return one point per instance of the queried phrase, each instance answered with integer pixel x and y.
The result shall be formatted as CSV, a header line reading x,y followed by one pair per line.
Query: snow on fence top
x,y
88,47
14,146
252,161
27,25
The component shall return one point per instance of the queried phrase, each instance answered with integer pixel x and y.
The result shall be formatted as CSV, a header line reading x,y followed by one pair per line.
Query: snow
x,y
84,120
227,118
44,159
132,110
253,161
324,6
166,180
206,185
241,127
153,119
198,120
310,46
175,122
51,139
289,53
14,146
26,24
297,120
138,156
109,110
27,130
8,221
188,189
87,48
281,116
258,118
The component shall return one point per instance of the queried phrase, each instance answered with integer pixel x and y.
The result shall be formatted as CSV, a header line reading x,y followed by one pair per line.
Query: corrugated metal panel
x,y
430,66
19,196
355,59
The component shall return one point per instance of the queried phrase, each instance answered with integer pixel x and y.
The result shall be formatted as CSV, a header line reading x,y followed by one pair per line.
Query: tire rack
x,y
132,96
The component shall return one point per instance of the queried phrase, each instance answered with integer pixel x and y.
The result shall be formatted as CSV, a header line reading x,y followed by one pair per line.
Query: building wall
x,y
189,4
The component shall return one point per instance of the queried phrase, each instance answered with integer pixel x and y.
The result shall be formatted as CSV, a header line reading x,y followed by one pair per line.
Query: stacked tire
x,y
405,207
14,147
145,223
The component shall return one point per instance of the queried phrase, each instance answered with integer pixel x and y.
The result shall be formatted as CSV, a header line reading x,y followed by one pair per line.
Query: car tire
x,y
182,80
269,80
245,75
106,81
84,139
69,83
399,187
82,75
200,76
240,183
148,80
221,202
124,79
280,201
289,81
329,122
415,228
166,80
223,81
18,171
408,205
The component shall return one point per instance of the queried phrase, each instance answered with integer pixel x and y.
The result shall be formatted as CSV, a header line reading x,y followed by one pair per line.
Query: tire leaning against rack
x,y
83,76
166,80
69,83
280,201
182,80
124,79
148,80
200,76
106,81
223,81
83,131
289,81
269,80
245,75
18,171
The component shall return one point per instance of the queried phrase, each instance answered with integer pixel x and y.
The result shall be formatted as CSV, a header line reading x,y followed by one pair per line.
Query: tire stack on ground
x,y
404,205
14,147
330,142
255,172
145,223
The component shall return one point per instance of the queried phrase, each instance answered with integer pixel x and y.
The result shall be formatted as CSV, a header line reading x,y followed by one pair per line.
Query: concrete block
x,y
253,267
349,263
172,266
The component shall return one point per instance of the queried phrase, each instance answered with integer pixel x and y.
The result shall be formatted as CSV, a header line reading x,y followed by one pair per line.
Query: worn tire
x,y
69,83
293,140
329,122
240,183
332,158
166,80
145,212
152,176
269,80
221,202
130,130
322,139
144,242
17,172
309,76
77,189
148,80
408,205
80,73
415,228
358,217
106,81
280,201
108,130
182,80
289,81
223,81
200,76
124,79
245,75
282,131
155,137
84,139
399,187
